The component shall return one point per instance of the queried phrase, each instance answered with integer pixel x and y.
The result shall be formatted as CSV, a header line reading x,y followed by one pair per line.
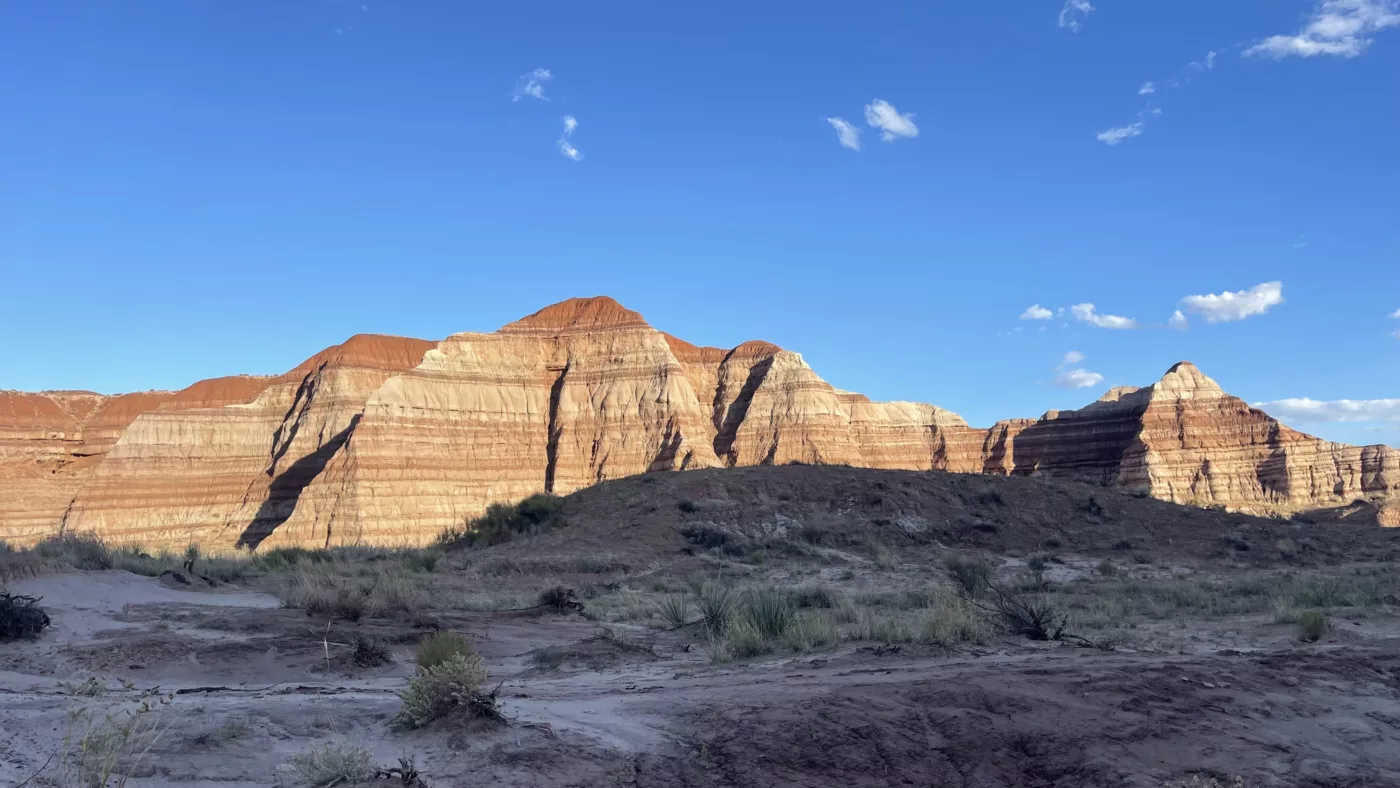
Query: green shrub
x,y
443,689
674,609
333,763
438,647
1313,626
809,630
717,606
769,612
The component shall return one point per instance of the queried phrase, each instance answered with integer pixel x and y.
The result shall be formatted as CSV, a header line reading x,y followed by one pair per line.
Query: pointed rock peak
x,y
755,348
371,351
599,313
1184,381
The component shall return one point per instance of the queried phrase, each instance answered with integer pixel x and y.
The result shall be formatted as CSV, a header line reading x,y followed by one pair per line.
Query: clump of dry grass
x,y
1313,626
332,763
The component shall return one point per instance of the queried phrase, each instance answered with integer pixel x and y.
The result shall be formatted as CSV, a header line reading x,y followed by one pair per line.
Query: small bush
x,y
712,538
1038,562
81,551
1203,782
333,763
1107,568
561,599
1287,549
438,647
1235,541
441,690
809,630
717,606
674,610
883,555
503,522
1033,616
21,616
688,506
370,652
769,612
426,560
815,596
1124,544
971,574
1313,626
741,641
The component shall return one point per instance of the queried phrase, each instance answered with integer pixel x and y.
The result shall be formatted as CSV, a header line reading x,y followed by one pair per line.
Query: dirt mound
x,y
645,517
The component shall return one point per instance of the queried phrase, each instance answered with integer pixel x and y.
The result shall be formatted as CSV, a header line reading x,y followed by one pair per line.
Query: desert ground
x,y
770,626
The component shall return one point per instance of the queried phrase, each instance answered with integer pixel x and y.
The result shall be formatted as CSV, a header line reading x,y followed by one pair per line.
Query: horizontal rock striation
x,y
389,440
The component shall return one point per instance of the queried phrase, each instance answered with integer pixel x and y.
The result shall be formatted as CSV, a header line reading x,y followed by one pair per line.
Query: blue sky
x,y
203,188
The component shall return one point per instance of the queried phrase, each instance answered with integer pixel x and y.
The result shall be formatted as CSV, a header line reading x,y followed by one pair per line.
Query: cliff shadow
x,y
739,410
286,488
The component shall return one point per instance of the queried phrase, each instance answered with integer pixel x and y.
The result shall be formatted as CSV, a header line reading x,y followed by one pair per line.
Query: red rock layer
x,y
389,440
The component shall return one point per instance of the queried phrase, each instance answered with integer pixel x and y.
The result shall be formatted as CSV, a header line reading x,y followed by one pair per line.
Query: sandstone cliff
x,y
391,440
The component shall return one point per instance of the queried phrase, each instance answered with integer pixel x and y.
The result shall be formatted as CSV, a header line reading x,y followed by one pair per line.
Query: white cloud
x,y
565,147
1037,312
882,115
1115,136
1071,377
1336,27
848,135
1305,409
1395,315
1178,321
1147,88
1072,12
532,85
1238,305
1085,313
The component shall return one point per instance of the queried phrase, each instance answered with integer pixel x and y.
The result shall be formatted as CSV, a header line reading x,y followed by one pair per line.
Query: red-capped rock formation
x,y
390,440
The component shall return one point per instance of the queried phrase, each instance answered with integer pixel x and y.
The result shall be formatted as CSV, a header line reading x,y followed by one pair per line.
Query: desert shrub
x,y
1107,568
1092,506
971,574
1235,542
674,609
1197,781
425,560
1039,562
323,592
1031,615
882,554
370,652
809,630
1313,626
711,538
560,598
443,689
688,506
438,647
769,612
21,616
333,763
718,607
815,596
104,749
503,522
82,551
1124,544
741,641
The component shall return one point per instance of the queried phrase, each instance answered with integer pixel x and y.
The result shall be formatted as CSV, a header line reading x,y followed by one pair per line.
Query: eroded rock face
x,y
388,440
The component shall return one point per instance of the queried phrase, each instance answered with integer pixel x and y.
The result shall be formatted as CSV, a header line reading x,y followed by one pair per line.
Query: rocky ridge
x,y
390,440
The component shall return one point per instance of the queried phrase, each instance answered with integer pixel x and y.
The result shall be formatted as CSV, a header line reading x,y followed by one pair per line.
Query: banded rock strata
x,y
390,440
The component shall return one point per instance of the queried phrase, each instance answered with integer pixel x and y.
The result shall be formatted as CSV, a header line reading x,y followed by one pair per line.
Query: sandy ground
x,y
252,685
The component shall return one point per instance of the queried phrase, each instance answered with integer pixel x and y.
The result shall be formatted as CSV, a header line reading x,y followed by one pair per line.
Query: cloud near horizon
x,y
1086,313
1344,28
1070,377
1227,306
1334,411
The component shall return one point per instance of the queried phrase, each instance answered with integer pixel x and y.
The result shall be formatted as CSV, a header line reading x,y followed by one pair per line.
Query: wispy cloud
x,y
1238,305
1073,12
1037,312
848,135
1344,28
1395,315
1147,88
1086,313
882,115
1178,321
565,147
1116,135
1340,410
1071,377
532,85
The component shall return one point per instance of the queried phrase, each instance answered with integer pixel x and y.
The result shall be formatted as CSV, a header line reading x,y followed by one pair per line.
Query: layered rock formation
x,y
390,440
